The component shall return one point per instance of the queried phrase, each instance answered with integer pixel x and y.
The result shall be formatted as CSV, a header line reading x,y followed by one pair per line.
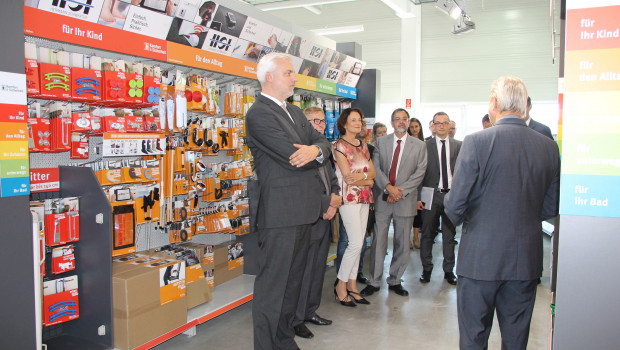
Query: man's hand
x,y
420,205
329,214
304,155
336,201
395,192
391,199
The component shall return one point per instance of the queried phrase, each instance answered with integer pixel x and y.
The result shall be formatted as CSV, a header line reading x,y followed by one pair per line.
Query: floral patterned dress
x,y
358,158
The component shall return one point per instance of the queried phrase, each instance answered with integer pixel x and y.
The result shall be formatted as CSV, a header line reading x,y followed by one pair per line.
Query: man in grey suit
x,y
287,151
540,127
312,282
442,154
506,181
400,163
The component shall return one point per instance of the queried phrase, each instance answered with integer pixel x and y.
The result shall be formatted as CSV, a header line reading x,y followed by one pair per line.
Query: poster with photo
x,y
219,42
264,51
297,62
145,22
309,68
166,7
84,10
294,47
228,21
205,13
279,39
187,33
315,53
187,9
247,50
352,65
351,80
332,74
256,31
324,64
115,15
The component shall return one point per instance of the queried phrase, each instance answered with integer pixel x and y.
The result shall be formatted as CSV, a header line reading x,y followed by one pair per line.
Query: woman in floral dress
x,y
355,174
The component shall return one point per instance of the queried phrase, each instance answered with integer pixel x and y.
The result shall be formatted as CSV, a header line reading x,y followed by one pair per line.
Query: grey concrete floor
x,y
426,319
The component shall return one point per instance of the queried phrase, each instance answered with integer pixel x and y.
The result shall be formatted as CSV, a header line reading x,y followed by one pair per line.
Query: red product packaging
x,y
62,221
61,134
80,122
33,84
151,124
113,124
41,134
63,259
134,124
114,87
60,300
55,81
86,84
134,87
79,146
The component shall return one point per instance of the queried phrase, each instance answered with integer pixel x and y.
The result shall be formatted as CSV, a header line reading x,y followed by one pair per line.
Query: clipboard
x,y
426,196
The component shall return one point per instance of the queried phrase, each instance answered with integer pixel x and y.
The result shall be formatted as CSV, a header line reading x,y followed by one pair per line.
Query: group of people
x,y
499,183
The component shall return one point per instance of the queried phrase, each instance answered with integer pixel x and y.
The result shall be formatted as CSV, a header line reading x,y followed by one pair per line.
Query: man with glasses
x,y
312,281
442,154
452,129
400,163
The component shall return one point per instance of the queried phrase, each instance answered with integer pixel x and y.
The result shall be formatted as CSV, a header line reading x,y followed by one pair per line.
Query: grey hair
x,y
267,65
511,95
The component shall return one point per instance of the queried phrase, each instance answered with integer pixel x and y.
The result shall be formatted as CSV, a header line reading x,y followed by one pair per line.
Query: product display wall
x,y
161,140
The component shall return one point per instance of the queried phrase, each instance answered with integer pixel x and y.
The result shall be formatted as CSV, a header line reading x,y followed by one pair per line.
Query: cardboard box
x,y
228,259
222,274
140,312
196,284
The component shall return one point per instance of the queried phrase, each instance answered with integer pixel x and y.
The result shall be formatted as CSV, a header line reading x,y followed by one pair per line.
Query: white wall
x,y
512,38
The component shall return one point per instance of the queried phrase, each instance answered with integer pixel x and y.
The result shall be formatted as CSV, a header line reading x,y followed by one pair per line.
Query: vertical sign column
x,y
591,115
14,162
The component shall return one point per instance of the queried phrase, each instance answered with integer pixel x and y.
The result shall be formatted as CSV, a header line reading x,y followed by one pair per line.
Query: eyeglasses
x,y
400,119
440,124
318,121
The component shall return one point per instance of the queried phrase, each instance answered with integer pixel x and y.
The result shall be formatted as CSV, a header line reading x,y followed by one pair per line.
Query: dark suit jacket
x,y
287,195
326,197
541,128
505,183
433,168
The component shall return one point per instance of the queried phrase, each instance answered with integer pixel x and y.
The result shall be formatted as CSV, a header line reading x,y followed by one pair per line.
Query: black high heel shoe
x,y
343,302
359,301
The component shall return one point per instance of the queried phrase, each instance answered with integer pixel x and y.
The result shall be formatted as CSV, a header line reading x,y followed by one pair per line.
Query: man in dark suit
x,y
442,154
540,127
506,181
287,152
400,163
312,282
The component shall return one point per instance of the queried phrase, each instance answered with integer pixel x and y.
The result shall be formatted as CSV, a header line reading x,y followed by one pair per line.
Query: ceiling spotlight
x,y
449,7
464,25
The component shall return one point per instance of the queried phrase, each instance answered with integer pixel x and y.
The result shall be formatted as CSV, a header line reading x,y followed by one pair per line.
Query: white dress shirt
x,y
438,141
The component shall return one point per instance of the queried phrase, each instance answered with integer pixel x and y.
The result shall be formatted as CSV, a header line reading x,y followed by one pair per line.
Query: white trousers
x,y
355,218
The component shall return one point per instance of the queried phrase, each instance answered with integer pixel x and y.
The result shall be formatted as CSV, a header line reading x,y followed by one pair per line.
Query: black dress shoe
x,y
319,321
361,278
369,290
398,289
450,277
302,331
425,277
361,300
